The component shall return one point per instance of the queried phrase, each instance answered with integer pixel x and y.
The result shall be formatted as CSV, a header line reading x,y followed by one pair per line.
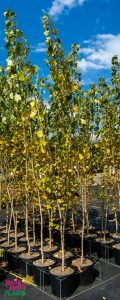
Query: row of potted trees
x,y
51,156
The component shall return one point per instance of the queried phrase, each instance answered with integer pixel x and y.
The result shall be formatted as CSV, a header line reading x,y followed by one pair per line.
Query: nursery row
x,y
57,156
76,274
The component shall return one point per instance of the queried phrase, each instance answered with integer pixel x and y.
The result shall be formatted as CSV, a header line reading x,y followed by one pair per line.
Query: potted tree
x,y
62,91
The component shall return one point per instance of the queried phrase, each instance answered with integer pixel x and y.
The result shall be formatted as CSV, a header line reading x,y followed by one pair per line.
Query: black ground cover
x,y
107,287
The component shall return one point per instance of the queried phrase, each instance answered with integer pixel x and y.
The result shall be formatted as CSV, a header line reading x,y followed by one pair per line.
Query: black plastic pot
x,y
89,244
86,276
25,265
3,276
100,234
104,250
6,248
13,258
42,274
117,255
63,286
92,230
35,247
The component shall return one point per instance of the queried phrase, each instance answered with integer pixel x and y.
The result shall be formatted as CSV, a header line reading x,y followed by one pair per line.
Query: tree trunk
x,y
62,234
7,217
26,192
50,229
102,229
11,214
34,224
26,226
0,195
116,222
41,228
16,240
104,236
83,227
73,221
63,243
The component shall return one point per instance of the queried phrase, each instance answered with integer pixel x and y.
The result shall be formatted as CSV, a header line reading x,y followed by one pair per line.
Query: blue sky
x,y
94,24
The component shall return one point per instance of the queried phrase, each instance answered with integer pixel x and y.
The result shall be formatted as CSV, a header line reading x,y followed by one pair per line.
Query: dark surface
x,y
106,288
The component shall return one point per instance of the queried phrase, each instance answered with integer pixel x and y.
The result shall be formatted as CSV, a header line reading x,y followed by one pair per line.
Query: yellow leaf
x,y
74,87
28,279
70,170
96,146
75,108
32,103
94,137
32,115
83,121
88,155
108,151
81,156
42,150
97,101
40,133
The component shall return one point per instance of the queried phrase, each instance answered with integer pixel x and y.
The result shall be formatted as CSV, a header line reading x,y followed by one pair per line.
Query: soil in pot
x,y
92,229
12,256
4,232
115,236
7,246
48,251
46,241
24,241
68,256
85,271
116,250
34,246
25,262
104,249
19,235
2,228
100,234
41,272
62,283
2,240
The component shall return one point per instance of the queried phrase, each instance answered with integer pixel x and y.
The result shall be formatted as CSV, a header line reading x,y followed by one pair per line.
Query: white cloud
x,y
40,48
99,51
58,6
